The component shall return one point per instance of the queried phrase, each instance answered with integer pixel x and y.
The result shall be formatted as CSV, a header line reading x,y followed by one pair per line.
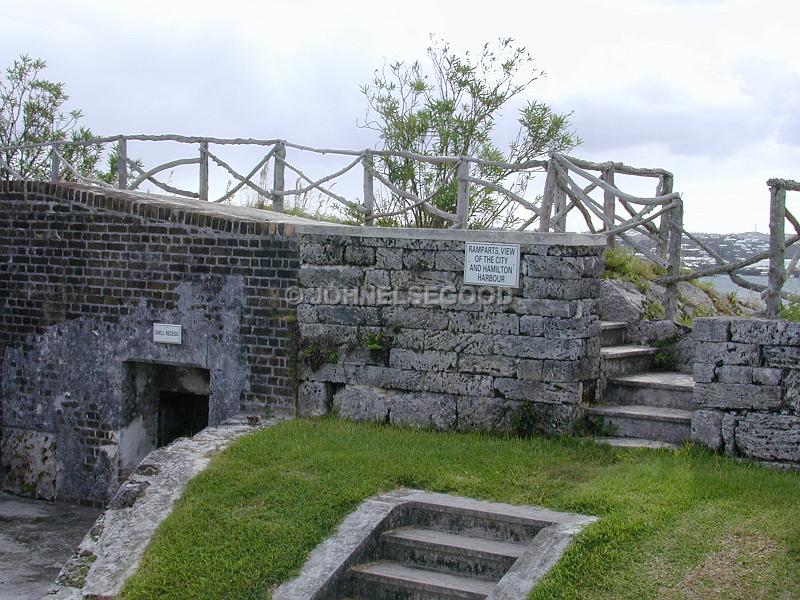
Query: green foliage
x,y
450,109
524,421
653,310
697,313
314,355
666,356
379,346
375,342
624,265
249,521
791,309
32,111
590,426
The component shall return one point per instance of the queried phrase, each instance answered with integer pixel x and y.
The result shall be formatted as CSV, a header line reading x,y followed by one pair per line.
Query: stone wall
x,y
747,388
264,300
83,276
389,332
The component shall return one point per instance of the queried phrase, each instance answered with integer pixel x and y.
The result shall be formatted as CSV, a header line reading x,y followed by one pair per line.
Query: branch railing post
x,y
203,187
674,259
279,177
609,204
122,163
462,199
662,243
560,208
369,188
55,163
777,248
548,196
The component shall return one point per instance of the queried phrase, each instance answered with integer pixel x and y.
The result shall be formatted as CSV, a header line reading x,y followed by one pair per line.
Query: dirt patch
x,y
736,571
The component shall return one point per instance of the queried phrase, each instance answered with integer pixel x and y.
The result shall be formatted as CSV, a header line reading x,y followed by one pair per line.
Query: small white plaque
x,y
491,264
163,333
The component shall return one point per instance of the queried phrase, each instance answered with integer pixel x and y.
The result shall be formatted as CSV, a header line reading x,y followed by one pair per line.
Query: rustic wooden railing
x,y
659,219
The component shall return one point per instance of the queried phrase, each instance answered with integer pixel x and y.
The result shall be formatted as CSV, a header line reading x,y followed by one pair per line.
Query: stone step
x,y
664,389
612,333
623,442
389,580
477,519
670,425
450,552
617,361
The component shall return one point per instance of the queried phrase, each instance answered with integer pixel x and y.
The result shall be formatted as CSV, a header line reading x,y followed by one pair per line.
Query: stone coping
x,y
110,553
233,218
466,235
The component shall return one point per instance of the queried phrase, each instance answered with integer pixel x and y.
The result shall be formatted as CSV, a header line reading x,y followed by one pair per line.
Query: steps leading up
x,y
444,551
647,422
644,408
623,442
662,389
436,546
618,361
447,547
387,580
612,333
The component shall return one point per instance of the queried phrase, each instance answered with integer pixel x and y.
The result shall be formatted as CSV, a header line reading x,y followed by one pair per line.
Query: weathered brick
x,y
313,399
733,374
716,329
769,437
422,361
728,353
539,391
484,322
707,428
487,364
737,396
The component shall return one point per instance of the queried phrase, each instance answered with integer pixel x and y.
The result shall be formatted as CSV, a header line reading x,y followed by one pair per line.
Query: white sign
x,y
164,333
491,264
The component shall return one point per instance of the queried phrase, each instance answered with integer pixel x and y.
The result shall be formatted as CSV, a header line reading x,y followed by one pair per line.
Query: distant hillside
x,y
731,246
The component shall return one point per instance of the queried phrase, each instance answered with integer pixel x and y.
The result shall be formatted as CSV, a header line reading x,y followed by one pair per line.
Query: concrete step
x,y
670,425
389,580
617,361
623,442
450,552
485,520
612,333
664,389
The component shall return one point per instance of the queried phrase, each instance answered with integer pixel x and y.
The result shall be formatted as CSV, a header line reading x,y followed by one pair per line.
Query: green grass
x,y
623,264
791,309
683,524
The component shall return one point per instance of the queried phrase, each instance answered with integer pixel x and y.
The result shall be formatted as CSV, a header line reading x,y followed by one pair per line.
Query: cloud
x,y
775,90
653,112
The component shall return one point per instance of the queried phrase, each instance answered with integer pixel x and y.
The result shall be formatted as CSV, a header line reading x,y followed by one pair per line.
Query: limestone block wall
x,y
747,388
389,332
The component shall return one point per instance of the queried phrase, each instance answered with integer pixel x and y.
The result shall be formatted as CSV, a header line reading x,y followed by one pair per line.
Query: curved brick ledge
x,y
111,551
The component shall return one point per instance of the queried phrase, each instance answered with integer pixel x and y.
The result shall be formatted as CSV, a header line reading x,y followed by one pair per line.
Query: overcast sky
x,y
707,89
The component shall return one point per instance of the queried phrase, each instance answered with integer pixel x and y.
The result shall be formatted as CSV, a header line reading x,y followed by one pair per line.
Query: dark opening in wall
x,y
180,414
162,403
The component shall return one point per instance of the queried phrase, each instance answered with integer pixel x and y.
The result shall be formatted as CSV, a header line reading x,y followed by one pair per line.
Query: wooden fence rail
x,y
569,185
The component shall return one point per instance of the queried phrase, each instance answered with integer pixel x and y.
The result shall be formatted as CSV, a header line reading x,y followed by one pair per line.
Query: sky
x,y
708,89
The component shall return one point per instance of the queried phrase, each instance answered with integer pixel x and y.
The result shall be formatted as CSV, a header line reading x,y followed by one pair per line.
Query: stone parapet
x,y
747,388
389,331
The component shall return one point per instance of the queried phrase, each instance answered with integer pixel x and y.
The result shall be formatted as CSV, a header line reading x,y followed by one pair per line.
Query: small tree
x,y
32,111
451,109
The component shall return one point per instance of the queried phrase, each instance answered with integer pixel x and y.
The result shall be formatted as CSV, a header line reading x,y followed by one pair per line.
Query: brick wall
x,y
747,388
379,349
84,275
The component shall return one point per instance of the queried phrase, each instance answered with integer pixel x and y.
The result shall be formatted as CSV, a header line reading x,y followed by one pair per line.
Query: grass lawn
x,y
682,524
